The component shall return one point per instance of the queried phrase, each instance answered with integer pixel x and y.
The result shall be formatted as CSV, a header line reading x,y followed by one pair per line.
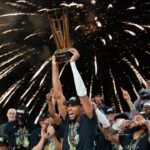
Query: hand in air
x,y
75,55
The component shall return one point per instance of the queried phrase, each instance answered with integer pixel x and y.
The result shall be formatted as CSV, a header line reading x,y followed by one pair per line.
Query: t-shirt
x,y
2,128
79,135
128,143
102,143
19,136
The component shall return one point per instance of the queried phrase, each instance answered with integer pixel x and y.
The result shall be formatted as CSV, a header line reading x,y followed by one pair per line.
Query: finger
x,y
122,89
53,57
74,50
71,51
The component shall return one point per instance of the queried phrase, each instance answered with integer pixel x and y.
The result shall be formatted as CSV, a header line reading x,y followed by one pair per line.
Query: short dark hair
x,y
44,116
22,112
73,101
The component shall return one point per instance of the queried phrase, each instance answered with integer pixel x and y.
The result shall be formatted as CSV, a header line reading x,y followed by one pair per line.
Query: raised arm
x,y
58,89
51,108
50,100
127,97
111,135
107,130
79,85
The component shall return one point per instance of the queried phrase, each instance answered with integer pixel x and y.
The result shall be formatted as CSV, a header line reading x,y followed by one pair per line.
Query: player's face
x,y
74,111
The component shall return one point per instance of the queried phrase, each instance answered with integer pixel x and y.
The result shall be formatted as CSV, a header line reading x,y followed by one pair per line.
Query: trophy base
x,y
62,56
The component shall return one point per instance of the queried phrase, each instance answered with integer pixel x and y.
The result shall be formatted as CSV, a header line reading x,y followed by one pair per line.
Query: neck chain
x,y
132,146
73,137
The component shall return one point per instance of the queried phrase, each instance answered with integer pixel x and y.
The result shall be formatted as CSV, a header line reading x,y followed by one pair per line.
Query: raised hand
x,y
126,95
51,131
75,55
43,134
50,95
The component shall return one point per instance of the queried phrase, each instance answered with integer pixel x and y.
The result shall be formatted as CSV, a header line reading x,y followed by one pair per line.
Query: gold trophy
x,y
59,24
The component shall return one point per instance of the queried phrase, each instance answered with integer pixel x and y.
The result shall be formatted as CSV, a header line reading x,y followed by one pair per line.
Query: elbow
x,y
107,133
90,114
108,137
89,111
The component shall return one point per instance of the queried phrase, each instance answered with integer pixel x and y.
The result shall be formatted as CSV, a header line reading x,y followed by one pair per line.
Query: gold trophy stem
x,y
66,32
55,33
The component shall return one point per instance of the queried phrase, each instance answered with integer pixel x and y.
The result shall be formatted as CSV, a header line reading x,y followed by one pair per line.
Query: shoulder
x,y
10,126
87,121
3,125
31,126
36,132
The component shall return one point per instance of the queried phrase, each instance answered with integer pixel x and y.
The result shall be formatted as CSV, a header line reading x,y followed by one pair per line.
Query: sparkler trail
x,y
138,75
135,25
9,92
33,96
8,70
6,54
17,14
42,81
15,57
25,93
41,68
115,91
7,44
41,111
91,88
15,88
12,30
32,35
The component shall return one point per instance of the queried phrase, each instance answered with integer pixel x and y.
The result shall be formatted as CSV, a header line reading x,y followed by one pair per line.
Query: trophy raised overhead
x,y
59,24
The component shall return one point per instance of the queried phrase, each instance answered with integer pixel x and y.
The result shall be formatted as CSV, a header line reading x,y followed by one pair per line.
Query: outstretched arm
x,y
50,100
127,97
79,85
58,89
107,130
111,135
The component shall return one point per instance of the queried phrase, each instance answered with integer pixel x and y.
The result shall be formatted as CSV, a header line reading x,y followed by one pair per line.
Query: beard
x,y
73,120
134,129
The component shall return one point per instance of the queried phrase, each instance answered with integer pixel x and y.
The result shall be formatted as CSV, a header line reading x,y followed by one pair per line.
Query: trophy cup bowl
x,y
59,24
